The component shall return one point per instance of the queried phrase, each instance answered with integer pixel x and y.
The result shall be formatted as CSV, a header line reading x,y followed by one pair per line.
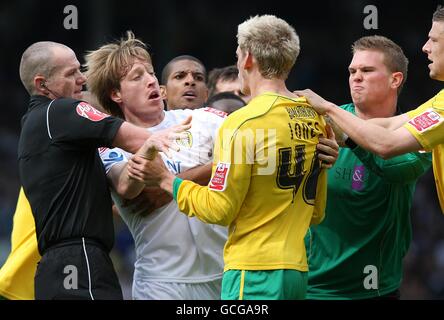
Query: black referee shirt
x,y
61,171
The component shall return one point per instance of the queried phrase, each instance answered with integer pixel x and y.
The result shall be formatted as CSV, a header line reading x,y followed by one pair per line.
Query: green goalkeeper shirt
x,y
357,251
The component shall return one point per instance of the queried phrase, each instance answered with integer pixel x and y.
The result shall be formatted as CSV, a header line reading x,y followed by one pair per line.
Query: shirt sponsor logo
x,y
174,166
219,180
358,177
220,113
89,112
426,120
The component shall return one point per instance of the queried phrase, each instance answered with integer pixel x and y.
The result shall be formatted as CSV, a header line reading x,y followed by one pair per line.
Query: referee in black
x,y
63,177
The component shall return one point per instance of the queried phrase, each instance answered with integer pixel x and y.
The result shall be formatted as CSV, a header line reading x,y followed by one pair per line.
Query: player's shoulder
x,y
202,116
68,102
178,115
438,101
348,107
440,94
208,114
253,112
248,115
79,108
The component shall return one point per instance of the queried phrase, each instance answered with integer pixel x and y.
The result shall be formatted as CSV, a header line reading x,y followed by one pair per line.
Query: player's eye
x,y
199,78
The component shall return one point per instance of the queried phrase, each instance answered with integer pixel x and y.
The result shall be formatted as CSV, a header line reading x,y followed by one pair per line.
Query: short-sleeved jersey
x,y
367,224
426,124
17,273
170,246
267,184
61,172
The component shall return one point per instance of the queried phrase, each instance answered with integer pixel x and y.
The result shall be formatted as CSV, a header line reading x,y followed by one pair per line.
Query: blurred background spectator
x,y
207,30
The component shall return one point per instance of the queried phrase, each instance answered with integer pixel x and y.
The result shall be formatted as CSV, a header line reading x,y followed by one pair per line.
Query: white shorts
x,y
159,290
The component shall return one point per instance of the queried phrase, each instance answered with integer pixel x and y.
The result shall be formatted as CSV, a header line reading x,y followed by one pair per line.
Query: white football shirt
x,y
170,246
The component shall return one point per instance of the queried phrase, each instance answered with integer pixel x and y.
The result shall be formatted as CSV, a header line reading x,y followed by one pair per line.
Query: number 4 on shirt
x,y
292,178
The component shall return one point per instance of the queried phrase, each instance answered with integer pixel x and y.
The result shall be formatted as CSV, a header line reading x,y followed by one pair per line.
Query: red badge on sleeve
x,y
220,113
89,112
426,120
219,180
102,149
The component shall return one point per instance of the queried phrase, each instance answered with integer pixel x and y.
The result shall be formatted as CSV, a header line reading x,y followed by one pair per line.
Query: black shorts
x,y
76,269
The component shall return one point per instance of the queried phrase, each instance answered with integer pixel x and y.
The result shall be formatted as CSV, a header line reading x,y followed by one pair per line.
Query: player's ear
x,y
40,85
163,92
206,94
248,61
116,96
397,78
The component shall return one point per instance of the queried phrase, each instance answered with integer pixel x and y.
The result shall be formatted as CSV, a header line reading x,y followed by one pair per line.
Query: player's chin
x,y
433,75
77,95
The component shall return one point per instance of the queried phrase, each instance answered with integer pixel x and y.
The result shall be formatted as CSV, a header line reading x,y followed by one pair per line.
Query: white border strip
x,y
47,119
89,273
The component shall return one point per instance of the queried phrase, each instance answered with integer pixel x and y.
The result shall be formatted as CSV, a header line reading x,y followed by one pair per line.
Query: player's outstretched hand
x,y
165,140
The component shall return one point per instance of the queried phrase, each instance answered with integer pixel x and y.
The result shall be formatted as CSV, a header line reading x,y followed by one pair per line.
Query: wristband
x,y
350,143
176,185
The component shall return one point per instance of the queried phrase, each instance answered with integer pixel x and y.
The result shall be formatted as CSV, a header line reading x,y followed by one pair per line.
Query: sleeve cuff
x,y
350,143
176,185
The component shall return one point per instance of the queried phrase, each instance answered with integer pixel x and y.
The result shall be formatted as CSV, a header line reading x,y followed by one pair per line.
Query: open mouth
x,y
154,95
189,94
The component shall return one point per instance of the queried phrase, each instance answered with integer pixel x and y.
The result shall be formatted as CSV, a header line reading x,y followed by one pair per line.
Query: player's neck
x,y
144,119
262,85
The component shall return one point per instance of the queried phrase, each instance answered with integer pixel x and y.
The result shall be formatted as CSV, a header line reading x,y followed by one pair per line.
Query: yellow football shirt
x,y
267,184
17,274
426,124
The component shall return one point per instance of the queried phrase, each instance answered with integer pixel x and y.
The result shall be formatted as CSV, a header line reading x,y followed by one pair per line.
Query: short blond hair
x,y
438,15
272,41
110,63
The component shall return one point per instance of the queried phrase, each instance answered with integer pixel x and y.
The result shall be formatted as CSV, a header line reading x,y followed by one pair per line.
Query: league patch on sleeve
x,y
112,155
219,180
89,112
220,113
426,120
